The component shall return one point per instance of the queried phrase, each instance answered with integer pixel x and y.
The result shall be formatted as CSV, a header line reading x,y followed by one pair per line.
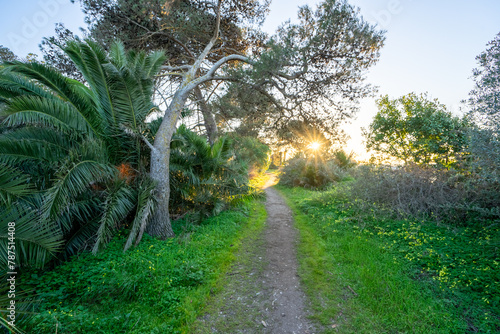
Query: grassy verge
x,y
240,304
158,287
370,275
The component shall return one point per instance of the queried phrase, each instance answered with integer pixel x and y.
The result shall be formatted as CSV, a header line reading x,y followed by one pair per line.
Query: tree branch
x,y
175,68
210,44
134,134
152,33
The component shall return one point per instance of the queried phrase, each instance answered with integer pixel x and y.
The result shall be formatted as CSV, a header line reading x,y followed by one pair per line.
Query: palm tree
x,y
204,178
76,152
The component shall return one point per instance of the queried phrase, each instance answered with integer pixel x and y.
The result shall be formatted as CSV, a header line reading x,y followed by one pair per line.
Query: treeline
x,y
427,162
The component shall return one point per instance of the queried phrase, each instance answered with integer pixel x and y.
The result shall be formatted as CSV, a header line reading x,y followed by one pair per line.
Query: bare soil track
x,y
262,291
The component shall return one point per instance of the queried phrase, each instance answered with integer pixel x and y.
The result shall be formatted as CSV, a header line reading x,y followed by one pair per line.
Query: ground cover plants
x,y
157,287
367,272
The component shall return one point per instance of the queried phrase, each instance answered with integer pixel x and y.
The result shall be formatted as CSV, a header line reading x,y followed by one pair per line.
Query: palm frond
x,y
34,110
74,182
118,205
89,58
41,134
13,85
13,184
153,63
35,241
146,204
50,78
17,151
81,238
79,212
118,55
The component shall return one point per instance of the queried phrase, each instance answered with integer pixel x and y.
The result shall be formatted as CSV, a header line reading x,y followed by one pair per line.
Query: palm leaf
x,y
74,182
17,151
118,205
13,184
13,85
40,134
35,241
89,58
55,113
62,86
146,204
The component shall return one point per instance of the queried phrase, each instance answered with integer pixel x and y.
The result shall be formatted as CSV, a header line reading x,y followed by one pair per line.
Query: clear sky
x,y
431,45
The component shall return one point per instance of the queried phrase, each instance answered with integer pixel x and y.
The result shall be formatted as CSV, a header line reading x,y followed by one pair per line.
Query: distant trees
x,y
484,143
484,99
414,128
6,54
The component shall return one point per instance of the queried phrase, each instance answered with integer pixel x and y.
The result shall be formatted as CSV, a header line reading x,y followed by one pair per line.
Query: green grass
x,y
370,275
239,305
157,287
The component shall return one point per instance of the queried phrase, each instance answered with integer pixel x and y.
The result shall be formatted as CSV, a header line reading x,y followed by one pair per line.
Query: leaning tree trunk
x,y
160,225
208,116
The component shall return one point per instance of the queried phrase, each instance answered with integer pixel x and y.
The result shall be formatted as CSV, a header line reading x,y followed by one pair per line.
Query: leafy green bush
x,y
204,178
252,152
310,173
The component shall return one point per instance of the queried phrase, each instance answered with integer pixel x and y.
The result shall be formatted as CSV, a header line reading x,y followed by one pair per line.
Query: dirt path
x,y
262,292
288,312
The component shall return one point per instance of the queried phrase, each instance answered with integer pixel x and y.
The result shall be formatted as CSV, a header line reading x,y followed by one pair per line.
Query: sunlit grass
x,y
407,276
157,287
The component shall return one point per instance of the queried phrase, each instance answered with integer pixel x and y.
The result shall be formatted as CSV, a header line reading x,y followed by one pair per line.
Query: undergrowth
x,y
158,287
367,273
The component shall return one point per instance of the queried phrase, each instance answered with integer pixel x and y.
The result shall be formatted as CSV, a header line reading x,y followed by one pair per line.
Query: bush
x,y
310,173
204,179
252,152
423,192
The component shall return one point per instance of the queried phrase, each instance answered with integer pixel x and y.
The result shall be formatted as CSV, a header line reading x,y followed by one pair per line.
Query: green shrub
x,y
204,178
311,173
252,152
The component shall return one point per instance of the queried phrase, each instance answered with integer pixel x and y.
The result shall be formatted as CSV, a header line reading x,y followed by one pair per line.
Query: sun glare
x,y
314,146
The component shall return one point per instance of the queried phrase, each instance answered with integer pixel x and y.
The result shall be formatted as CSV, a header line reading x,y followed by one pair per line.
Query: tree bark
x,y
208,116
160,225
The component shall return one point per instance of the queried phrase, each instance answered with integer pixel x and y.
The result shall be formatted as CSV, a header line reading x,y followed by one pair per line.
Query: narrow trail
x,y
262,292
287,314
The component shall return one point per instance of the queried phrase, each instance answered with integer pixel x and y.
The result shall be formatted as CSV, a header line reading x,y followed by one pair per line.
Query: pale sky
x,y
430,47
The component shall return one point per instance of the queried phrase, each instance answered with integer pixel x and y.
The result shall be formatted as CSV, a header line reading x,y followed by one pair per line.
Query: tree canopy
x,y
310,71
414,128
484,99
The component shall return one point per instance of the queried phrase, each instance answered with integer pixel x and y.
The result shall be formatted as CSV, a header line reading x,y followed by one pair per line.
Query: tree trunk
x,y
208,116
160,225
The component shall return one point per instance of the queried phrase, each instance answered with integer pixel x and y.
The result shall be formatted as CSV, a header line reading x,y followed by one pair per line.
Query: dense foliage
x,y
252,152
312,173
416,129
484,103
204,178
77,147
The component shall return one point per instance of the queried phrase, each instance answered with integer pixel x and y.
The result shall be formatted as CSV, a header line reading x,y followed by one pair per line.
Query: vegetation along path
x,y
261,293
